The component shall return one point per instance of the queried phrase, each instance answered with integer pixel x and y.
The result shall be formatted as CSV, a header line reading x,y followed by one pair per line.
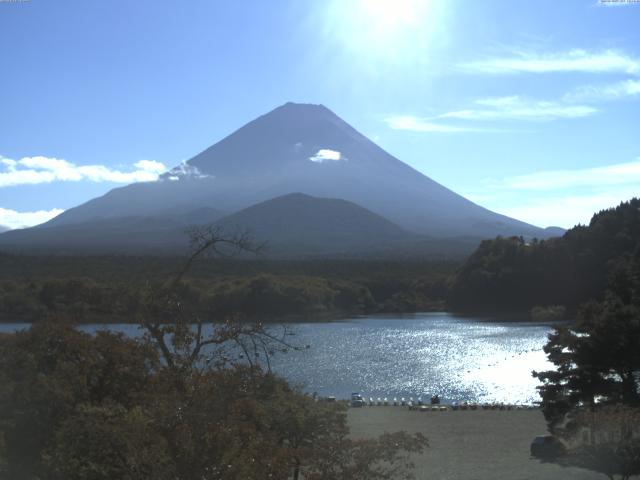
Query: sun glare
x,y
392,30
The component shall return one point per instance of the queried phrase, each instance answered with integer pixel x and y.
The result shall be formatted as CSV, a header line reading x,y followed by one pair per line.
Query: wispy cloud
x,y
39,169
412,123
14,219
607,61
610,175
560,197
611,91
518,108
508,108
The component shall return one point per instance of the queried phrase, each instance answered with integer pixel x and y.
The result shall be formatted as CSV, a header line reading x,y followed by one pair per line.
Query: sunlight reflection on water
x,y
423,354
459,358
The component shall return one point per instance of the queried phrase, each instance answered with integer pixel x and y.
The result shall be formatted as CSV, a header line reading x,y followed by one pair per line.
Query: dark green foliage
x,y
51,371
81,407
106,289
271,297
511,274
597,358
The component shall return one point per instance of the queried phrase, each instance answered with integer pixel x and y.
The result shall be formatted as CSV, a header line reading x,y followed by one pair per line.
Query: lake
x,y
459,358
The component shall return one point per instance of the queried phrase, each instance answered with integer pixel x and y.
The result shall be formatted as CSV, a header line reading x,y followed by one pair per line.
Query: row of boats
x,y
358,400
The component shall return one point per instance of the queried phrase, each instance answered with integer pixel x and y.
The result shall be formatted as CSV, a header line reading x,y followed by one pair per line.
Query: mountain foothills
x,y
542,279
350,197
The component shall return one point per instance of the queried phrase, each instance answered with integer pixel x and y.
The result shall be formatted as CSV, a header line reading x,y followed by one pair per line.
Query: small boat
x,y
455,406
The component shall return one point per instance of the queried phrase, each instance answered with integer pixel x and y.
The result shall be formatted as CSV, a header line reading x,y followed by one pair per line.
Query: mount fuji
x,y
296,148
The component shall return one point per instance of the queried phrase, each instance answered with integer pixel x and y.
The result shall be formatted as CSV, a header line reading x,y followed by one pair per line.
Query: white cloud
x,y
425,125
610,91
607,61
14,219
325,154
490,109
517,108
610,175
150,166
566,210
560,197
39,169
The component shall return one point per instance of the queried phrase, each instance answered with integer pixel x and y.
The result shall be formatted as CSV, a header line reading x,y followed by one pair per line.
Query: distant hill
x,y
308,149
308,222
511,274
299,225
554,232
4,229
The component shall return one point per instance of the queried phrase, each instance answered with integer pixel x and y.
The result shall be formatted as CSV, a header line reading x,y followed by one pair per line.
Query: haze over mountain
x,y
295,148
293,225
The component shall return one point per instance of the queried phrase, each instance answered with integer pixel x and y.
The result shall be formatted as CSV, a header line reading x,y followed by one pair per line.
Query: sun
x,y
393,30
390,16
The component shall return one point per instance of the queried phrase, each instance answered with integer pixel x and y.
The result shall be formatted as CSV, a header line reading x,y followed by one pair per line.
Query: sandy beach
x,y
474,445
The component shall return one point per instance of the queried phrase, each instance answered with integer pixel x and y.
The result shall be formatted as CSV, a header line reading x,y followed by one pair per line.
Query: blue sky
x,y
528,108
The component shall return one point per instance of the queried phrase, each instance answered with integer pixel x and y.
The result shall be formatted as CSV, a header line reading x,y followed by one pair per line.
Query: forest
x,y
516,275
105,288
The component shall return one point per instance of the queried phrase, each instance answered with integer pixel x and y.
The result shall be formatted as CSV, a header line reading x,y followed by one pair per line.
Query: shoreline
x,y
325,317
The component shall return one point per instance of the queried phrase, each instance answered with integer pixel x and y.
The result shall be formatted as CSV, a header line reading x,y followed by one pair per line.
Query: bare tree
x,y
179,330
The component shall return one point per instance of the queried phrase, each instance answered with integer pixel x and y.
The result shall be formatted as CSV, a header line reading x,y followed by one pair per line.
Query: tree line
x,y
103,292
513,274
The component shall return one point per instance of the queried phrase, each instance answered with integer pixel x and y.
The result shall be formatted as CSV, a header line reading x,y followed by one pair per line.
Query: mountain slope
x,y
124,234
303,148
